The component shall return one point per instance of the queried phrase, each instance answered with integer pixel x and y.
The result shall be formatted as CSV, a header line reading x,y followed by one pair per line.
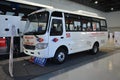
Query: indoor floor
x,y
81,66
107,68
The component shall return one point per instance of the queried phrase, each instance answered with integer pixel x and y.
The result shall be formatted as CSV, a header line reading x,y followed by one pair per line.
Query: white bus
x,y
55,33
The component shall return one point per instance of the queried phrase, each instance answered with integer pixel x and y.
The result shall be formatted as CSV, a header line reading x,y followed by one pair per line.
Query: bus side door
x,y
56,37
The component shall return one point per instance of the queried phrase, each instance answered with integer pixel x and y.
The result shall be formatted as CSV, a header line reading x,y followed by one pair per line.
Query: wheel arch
x,y
96,43
63,47
57,57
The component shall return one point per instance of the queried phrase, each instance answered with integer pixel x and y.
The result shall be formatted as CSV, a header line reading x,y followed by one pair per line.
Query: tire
x,y
95,49
60,56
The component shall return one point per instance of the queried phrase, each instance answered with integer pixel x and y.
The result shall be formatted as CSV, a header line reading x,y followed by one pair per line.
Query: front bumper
x,y
42,53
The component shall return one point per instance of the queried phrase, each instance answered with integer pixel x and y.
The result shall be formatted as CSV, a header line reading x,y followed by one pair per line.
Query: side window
x,y
69,25
72,22
56,14
86,24
103,25
96,26
56,27
77,25
89,28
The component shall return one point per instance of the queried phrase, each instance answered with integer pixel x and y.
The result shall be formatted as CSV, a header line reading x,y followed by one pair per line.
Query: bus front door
x,y
56,35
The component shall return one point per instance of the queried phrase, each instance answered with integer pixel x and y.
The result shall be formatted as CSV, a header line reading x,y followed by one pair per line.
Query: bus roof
x,y
79,12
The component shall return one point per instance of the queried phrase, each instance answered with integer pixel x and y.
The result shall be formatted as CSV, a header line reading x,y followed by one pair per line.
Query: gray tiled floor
x,y
104,69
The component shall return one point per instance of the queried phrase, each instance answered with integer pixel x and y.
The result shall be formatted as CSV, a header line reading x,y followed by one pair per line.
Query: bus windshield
x,y
37,23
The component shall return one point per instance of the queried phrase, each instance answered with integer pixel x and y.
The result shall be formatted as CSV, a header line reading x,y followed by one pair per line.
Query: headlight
x,y
41,45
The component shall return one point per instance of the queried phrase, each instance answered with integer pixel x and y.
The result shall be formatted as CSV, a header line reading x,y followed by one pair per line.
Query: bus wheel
x,y
95,49
60,56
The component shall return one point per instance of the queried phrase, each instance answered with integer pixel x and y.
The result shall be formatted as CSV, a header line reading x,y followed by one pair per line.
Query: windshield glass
x,y
37,23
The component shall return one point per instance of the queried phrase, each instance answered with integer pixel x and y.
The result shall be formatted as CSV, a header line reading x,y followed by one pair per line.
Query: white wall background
x,y
113,19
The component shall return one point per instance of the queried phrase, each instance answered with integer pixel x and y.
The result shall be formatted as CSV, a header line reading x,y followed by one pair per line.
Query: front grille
x,y
29,47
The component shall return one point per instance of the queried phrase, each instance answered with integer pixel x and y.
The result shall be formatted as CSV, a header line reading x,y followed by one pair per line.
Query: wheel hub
x,y
95,49
61,56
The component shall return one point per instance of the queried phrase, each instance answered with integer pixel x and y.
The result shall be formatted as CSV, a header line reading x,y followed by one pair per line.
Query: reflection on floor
x,y
110,46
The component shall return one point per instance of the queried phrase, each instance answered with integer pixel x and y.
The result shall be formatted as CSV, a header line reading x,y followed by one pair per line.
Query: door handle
x,y
62,37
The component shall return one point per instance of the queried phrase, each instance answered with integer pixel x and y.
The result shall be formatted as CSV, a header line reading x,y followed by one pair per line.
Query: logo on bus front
x,y
29,40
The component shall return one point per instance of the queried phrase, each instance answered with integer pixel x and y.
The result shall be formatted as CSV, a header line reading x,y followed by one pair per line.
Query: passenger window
x,y
89,28
69,25
96,26
103,25
86,25
77,25
72,22
56,27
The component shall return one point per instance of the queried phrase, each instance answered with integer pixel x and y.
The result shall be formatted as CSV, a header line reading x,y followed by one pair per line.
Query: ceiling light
x,y
96,2
13,8
112,9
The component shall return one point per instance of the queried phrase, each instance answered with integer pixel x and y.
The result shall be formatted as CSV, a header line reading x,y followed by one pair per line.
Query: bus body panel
x,y
81,41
